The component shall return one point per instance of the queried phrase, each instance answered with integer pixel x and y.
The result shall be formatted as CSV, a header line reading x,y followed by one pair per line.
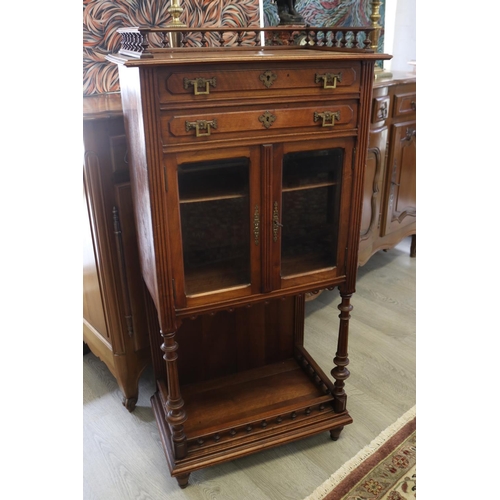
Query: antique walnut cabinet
x,y
247,170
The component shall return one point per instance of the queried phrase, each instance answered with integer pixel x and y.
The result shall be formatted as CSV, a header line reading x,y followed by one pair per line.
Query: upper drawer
x,y
404,104
195,85
216,124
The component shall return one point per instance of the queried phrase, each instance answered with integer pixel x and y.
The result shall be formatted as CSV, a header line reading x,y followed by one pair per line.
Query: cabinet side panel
x,y
132,110
93,309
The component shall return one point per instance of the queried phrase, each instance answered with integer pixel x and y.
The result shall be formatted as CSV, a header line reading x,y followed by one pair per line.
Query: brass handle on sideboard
x,y
199,83
411,134
328,117
201,125
329,80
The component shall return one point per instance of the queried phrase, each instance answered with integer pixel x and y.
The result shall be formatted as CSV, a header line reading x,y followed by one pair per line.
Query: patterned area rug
x,y
384,470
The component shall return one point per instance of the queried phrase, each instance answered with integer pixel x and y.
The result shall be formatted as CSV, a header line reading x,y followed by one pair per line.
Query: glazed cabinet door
x,y
400,186
309,232
215,236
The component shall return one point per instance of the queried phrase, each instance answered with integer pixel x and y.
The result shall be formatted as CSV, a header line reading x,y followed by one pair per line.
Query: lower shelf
x,y
247,412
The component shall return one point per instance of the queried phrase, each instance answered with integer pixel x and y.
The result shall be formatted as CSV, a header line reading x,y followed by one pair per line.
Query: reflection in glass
x,y
310,210
214,205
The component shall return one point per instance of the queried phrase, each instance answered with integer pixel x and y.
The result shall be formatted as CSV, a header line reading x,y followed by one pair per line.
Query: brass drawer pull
x,y
201,125
411,134
199,83
328,117
329,80
383,111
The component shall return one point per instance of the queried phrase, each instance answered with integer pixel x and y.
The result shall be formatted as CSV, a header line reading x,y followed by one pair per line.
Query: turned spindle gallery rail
x,y
138,42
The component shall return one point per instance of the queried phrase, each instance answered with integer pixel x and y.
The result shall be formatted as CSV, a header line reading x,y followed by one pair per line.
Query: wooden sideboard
x,y
247,179
389,199
114,299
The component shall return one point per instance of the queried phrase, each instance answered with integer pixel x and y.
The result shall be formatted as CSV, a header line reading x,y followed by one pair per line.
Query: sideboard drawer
x,y
193,85
405,104
221,124
380,108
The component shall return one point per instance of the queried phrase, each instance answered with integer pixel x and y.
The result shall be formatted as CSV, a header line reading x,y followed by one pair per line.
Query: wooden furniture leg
x,y
340,373
183,480
174,411
335,433
413,247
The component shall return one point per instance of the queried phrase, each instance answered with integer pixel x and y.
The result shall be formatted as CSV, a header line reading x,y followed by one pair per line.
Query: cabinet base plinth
x,y
273,425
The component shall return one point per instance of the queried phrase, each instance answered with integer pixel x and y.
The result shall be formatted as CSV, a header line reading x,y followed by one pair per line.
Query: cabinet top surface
x,y
250,54
397,78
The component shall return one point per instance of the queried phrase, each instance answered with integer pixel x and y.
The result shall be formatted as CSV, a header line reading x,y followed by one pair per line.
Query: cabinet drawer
x,y
405,104
193,85
380,109
325,118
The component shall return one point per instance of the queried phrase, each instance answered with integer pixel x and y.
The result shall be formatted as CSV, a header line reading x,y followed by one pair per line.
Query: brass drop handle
x,y
329,79
328,117
383,111
411,134
199,83
199,125
276,222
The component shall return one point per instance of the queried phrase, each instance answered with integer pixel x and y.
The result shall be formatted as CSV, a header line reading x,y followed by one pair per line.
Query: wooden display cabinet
x,y
389,199
115,326
247,171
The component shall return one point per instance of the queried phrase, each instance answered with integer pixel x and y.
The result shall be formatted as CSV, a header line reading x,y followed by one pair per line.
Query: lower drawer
x,y
217,125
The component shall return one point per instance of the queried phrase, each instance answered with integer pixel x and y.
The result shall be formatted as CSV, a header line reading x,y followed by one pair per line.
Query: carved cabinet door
x,y
401,206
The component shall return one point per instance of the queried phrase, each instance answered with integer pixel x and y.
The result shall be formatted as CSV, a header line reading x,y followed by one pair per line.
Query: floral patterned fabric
x,y
102,18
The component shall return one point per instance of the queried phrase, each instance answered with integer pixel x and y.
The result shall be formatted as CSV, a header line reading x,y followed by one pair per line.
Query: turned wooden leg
x,y
175,414
413,246
335,433
129,403
183,480
340,373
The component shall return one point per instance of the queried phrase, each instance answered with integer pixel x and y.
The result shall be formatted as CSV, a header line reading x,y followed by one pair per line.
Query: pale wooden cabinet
x,y
389,192
114,301
247,172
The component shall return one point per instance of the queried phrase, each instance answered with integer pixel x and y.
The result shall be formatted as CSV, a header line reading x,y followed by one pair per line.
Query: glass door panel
x,y
214,210
311,188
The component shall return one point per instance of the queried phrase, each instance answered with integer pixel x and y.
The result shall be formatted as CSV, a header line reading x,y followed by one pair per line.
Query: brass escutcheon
x,y
268,78
256,224
201,125
328,117
199,83
267,119
329,80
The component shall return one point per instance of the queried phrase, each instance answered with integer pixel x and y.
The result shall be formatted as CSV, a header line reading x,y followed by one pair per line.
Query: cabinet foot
x,y
335,433
413,246
129,403
86,349
183,480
